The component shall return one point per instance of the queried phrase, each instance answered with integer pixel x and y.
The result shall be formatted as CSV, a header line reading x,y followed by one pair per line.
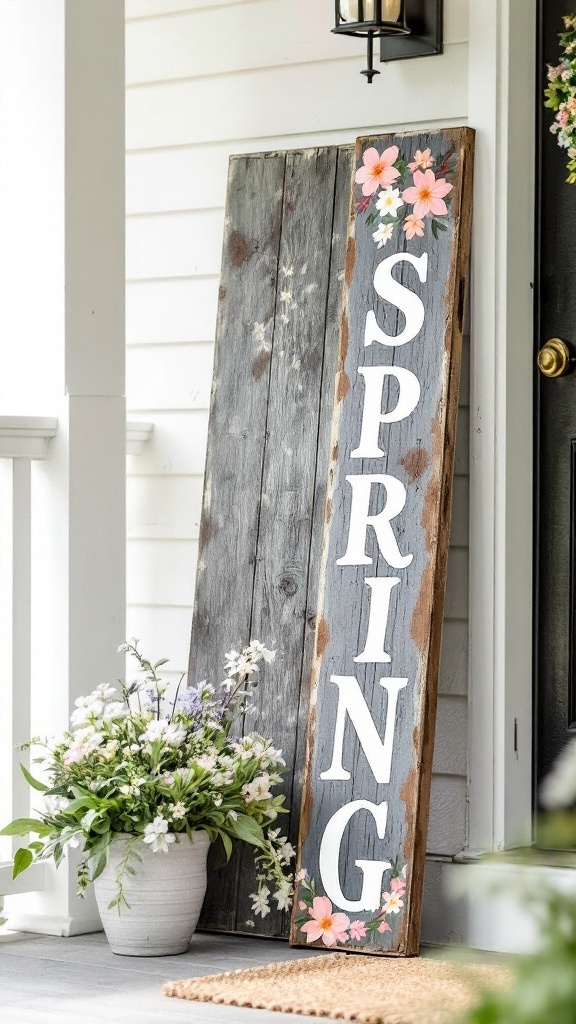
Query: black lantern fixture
x,y
406,28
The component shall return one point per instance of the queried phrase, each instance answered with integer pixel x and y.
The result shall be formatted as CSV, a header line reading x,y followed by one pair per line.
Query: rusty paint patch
x,y
335,452
222,292
344,339
415,462
238,249
420,624
208,530
350,261
307,801
343,385
260,364
409,797
328,509
322,637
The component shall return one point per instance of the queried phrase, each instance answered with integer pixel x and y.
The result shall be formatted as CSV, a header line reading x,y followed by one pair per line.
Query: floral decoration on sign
x,y
321,923
415,194
561,95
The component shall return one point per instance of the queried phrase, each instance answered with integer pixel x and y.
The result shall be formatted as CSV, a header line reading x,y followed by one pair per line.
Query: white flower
x,y
259,789
162,729
283,896
301,875
388,201
261,905
217,800
382,234
116,709
70,844
104,691
54,804
286,853
156,834
87,709
559,787
257,650
178,810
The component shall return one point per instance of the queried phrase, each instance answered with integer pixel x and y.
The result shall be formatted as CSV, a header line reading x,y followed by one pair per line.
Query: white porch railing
x,y
22,439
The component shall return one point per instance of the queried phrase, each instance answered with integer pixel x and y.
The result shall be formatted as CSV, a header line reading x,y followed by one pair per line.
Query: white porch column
x,y
501,108
62,354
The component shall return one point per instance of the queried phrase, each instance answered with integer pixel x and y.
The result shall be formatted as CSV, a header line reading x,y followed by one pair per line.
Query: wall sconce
x,y
406,28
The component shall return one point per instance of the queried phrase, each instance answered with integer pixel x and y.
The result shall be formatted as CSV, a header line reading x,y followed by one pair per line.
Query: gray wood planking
x,y
419,451
268,454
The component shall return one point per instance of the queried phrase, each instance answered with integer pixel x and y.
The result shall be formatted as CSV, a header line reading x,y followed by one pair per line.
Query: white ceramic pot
x,y
165,896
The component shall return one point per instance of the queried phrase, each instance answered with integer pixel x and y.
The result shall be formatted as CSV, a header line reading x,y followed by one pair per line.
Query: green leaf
x,y
249,831
227,843
22,860
22,826
32,781
99,866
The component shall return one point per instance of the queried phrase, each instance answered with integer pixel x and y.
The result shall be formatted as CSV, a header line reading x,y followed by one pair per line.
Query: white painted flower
x,y
261,903
383,234
388,201
178,810
217,800
301,875
156,835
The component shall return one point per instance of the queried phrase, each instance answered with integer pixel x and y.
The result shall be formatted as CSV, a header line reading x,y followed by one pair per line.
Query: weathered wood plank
x,y
295,464
341,852
264,494
231,506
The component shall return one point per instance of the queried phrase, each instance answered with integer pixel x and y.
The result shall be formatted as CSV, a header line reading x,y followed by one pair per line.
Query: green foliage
x,y
544,990
139,764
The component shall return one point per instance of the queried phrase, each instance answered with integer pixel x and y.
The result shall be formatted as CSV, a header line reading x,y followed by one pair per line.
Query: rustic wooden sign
x,y
277,343
374,678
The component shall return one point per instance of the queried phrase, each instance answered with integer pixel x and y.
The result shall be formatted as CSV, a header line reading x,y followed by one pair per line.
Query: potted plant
x,y
143,785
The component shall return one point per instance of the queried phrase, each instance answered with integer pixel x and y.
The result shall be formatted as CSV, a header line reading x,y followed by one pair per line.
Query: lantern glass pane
x,y
350,10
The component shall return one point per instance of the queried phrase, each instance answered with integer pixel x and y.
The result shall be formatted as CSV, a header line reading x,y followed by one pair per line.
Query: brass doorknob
x,y
555,358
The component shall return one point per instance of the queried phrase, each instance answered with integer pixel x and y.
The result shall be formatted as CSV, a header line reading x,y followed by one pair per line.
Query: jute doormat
x,y
375,991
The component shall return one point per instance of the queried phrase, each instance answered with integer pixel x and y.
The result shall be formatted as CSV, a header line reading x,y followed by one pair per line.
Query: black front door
x,y
555,477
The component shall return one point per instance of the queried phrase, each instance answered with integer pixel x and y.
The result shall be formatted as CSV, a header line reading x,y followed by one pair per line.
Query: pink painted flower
x,y
421,160
377,170
325,925
413,226
302,905
398,885
357,930
427,194
392,902
384,927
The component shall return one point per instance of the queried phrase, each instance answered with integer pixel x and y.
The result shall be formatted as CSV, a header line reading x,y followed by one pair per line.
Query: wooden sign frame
x,y
387,515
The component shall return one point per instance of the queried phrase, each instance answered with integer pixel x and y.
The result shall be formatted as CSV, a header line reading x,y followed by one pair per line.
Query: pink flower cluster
x,y
337,928
426,194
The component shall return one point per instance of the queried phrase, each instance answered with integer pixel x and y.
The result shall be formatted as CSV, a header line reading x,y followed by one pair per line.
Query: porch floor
x,y
45,979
